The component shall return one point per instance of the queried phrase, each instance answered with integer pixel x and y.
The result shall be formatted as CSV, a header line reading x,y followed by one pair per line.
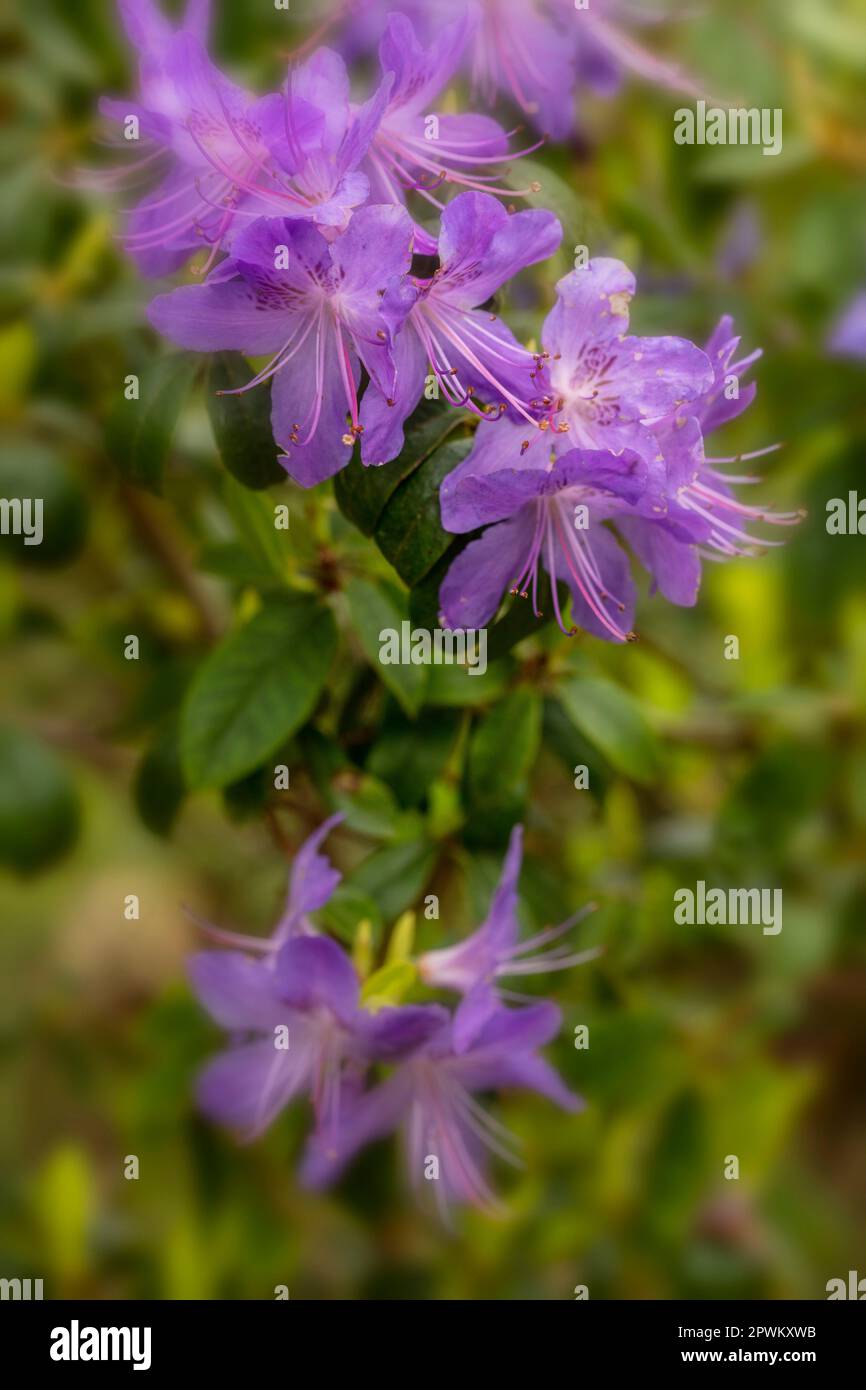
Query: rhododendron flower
x,y
297,1025
441,328
227,157
303,1029
312,881
415,149
537,54
431,1097
315,305
696,483
562,511
493,951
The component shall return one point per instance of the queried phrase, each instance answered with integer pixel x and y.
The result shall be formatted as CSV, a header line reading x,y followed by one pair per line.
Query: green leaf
x,y
159,787
394,877
253,516
375,608
613,721
242,424
255,689
409,756
410,534
39,810
346,909
457,686
362,493
502,751
140,432
370,807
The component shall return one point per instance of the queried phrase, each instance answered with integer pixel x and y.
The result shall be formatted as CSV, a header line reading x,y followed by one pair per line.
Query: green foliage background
x,y
258,646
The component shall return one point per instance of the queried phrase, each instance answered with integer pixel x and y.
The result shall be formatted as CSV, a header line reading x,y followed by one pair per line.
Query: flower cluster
x,y
292,1003
316,262
539,55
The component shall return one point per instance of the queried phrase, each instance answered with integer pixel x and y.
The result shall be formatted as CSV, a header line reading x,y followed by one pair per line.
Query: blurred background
x,y
704,1041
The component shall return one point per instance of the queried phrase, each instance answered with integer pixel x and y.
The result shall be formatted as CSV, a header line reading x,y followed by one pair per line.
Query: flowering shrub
x,y
361,248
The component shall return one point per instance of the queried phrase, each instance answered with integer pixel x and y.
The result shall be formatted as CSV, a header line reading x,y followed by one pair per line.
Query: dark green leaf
x,y
159,787
394,877
613,721
242,424
255,689
410,534
32,472
363,492
502,751
39,810
254,518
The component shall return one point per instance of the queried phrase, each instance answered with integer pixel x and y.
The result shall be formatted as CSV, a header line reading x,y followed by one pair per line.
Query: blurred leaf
x,y
410,755
394,877
159,787
677,1168
140,431
39,809
402,939
613,721
255,689
346,909
502,751
63,1203
242,424
369,806
17,360
254,517
375,608
458,686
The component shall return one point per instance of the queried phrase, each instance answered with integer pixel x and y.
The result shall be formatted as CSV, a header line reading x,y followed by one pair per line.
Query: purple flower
x,y
493,950
312,880
535,53
317,307
537,511
601,390
413,148
225,157
563,511
431,1097
298,1030
437,321
696,486
604,385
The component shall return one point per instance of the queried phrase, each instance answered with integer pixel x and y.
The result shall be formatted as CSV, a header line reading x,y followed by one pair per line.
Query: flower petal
x,y
245,1088
481,245
239,993
478,578
314,972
